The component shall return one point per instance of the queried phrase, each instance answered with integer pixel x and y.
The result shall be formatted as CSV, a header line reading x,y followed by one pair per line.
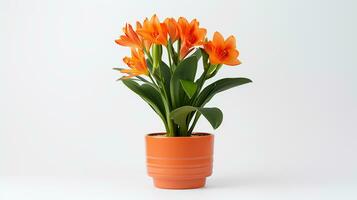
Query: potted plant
x,y
178,158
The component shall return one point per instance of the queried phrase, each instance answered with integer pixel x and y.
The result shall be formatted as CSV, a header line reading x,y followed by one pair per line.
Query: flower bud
x,y
156,55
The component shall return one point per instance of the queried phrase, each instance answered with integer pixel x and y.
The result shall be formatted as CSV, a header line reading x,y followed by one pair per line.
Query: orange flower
x,y
222,51
136,63
191,35
146,43
153,31
172,29
130,39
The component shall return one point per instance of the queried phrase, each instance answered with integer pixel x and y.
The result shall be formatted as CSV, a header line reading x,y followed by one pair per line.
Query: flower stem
x,y
201,81
170,129
169,53
197,116
178,51
154,84
153,81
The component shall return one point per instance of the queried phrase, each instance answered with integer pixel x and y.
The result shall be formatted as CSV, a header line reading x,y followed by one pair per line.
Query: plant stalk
x,y
170,131
169,53
201,82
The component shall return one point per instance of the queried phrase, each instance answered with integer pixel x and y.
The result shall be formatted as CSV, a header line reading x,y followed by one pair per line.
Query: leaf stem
x,y
201,81
178,51
169,53
148,54
165,99
170,131
197,116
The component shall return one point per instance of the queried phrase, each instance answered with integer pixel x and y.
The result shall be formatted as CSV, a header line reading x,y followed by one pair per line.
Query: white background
x,y
69,131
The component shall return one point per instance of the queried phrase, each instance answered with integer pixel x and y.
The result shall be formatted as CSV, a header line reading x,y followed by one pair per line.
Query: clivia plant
x,y
177,95
171,88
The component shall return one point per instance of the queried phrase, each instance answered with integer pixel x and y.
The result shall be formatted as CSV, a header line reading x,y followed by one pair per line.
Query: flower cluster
x,y
152,34
171,88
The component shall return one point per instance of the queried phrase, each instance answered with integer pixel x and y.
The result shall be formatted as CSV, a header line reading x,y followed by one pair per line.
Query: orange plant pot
x,y
179,162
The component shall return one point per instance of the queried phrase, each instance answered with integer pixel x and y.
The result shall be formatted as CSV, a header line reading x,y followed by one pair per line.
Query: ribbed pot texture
x,y
179,162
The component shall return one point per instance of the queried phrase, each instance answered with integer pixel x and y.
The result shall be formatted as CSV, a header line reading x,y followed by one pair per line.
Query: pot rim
x,y
161,135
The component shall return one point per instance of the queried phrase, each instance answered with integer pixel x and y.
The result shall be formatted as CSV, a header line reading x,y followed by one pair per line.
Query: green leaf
x,y
214,72
149,64
142,79
117,68
197,53
213,115
180,115
205,58
218,86
189,87
186,70
165,75
149,94
211,69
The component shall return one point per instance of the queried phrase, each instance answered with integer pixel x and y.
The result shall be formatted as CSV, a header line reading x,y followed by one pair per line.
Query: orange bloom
x,y
172,29
130,39
222,51
153,31
191,35
146,43
136,63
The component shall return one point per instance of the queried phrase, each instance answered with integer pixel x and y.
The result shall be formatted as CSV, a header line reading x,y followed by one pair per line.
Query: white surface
x,y
69,131
235,187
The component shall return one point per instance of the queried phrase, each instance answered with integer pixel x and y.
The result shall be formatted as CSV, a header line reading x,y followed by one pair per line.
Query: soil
x,y
193,135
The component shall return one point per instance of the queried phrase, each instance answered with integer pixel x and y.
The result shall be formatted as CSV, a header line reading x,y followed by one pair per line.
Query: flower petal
x,y
230,42
218,39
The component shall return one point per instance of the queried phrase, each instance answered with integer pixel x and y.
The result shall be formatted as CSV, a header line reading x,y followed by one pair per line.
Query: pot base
x,y
179,184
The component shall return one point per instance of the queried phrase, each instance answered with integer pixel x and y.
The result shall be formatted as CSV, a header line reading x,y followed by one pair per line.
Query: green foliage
x,y
180,115
186,70
165,76
219,86
156,56
175,94
189,87
148,94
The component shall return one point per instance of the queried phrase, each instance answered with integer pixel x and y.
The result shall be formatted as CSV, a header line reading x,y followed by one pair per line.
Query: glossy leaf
x,y
213,115
149,94
165,75
118,68
197,53
149,65
189,87
218,86
186,70
205,58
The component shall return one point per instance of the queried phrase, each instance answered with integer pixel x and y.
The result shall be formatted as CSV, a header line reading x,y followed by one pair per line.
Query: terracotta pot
x,y
179,162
